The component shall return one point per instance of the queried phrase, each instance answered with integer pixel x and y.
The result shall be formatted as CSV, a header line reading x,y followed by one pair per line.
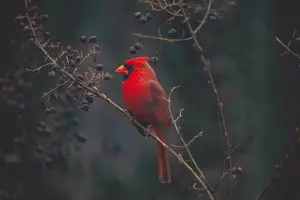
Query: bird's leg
x,y
144,133
132,118
147,132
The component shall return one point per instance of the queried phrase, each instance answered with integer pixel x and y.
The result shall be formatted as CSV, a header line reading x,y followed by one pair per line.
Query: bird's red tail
x,y
164,174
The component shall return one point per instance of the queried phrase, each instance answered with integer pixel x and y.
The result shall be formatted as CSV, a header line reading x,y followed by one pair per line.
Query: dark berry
x,y
80,137
154,59
39,129
48,160
45,17
47,35
83,39
137,15
93,39
171,31
89,98
143,19
53,110
47,132
39,149
57,125
85,101
56,67
99,67
27,29
149,15
75,121
137,46
48,110
85,107
22,106
76,97
132,50
97,48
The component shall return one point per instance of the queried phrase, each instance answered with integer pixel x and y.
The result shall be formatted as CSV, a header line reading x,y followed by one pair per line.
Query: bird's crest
x,y
136,61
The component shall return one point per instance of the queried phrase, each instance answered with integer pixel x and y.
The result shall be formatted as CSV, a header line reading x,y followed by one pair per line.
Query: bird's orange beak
x,y
122,70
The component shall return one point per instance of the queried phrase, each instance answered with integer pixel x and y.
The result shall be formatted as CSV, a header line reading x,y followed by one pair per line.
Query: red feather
x,y
136,61
144,96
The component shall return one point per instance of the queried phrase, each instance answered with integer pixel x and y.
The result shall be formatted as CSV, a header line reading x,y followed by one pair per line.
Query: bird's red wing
x,y
160,111
160,104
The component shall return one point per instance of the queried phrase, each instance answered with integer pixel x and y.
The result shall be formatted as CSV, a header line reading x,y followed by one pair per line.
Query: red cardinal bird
x,y
147,102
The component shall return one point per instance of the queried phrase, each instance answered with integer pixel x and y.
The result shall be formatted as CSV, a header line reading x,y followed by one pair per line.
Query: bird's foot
x,y
132,119
147,133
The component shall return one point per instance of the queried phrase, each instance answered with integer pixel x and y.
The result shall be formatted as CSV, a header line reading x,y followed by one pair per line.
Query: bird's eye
x,y
129,67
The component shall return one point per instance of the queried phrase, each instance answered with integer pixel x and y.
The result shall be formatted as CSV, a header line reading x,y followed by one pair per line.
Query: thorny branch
x,y
211,80
204,183
52,90
277,169
287,48
180,5
94,90
161,38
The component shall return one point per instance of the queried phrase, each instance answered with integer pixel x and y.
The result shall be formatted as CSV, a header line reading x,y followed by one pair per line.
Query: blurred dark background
x,y
258,87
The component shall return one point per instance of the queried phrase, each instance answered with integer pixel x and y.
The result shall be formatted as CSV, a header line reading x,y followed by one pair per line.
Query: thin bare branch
x,y
214,88
52,90
204,183
287,48
195,137
204,18
277,168
162,38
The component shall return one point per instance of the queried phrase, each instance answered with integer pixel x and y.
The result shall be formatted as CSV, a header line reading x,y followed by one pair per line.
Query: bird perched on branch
x,y
147,103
